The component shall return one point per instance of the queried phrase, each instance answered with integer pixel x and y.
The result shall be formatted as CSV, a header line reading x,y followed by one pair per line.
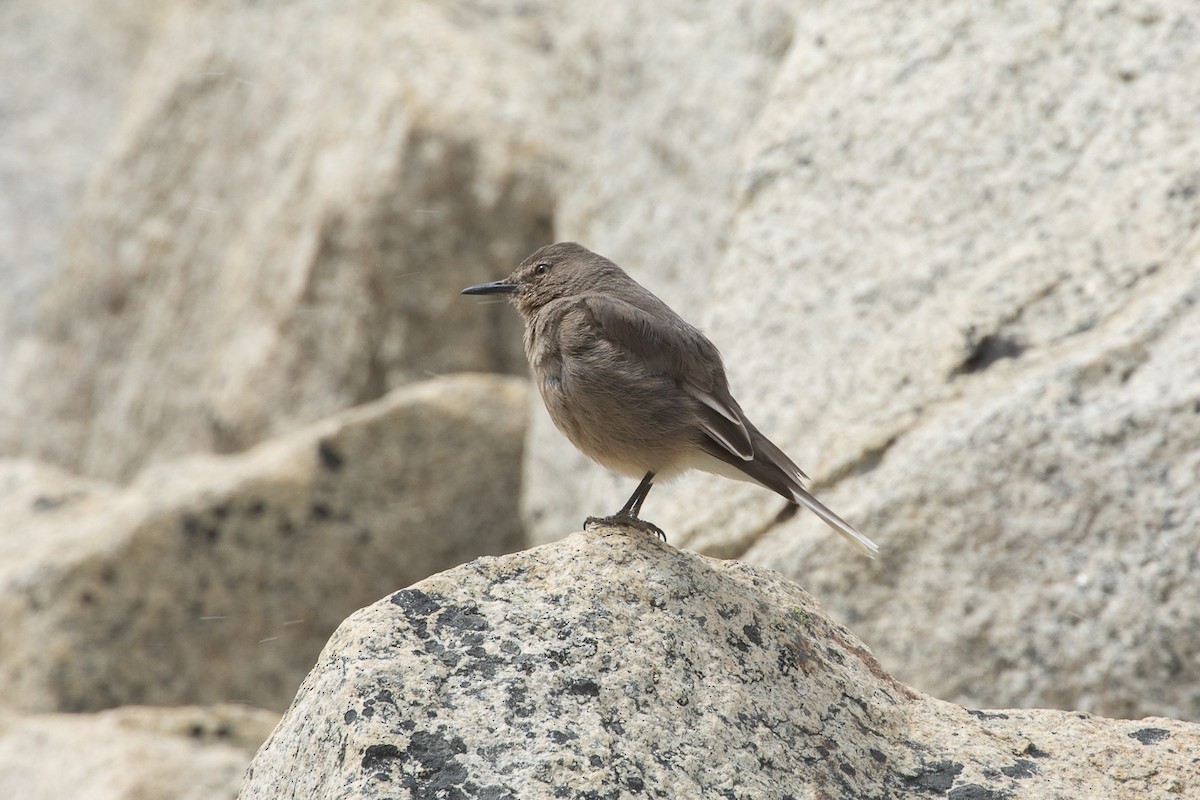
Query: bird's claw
x,y
629,521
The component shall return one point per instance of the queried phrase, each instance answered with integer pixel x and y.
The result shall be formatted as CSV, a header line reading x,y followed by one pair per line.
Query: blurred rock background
x,y
949,252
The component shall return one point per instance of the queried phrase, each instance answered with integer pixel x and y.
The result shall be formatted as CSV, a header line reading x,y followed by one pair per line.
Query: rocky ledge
x,y
609,665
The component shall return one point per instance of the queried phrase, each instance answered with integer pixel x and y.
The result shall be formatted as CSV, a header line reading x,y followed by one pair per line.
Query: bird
x,y
635,387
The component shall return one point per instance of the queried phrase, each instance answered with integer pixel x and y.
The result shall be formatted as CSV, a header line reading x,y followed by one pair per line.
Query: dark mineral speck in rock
x,y
1033,751
463,618
44,503
985,715
330,458
1021,769
1150,735
584,687
973,791
937,777
378,755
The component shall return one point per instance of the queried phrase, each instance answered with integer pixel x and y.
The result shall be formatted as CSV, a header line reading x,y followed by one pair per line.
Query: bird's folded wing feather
x,y
668,345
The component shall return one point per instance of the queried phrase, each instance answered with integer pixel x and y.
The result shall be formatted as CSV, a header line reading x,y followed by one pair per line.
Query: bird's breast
x,y
627,421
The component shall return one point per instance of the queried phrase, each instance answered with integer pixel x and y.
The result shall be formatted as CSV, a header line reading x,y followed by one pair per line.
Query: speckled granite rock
x,y
609,665
135,753
219,578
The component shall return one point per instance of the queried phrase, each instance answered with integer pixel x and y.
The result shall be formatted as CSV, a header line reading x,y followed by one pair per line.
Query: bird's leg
x,y
628,515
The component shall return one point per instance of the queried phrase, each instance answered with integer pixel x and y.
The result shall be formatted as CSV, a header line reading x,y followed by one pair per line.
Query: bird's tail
x,y
840,525
772,469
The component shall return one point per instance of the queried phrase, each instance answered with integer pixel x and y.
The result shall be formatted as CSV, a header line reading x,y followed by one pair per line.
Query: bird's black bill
x,y
495,287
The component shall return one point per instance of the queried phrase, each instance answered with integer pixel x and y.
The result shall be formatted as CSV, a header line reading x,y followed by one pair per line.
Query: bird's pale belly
x,y
623,429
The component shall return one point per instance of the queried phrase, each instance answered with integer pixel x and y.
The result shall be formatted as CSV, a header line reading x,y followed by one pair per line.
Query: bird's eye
x,y
540,269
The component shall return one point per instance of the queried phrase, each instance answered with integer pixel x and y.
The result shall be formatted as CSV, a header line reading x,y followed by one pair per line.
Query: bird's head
x,y
555,271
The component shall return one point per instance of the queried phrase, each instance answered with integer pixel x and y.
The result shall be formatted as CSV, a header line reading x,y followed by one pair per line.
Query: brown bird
x,y
635,387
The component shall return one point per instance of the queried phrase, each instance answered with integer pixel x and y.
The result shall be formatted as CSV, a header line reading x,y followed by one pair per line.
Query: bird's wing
x,y
668,345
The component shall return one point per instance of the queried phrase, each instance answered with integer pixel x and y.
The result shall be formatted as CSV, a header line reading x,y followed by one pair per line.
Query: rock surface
x,y
65,67
129,753
1012,405
220,578
278,231
610,665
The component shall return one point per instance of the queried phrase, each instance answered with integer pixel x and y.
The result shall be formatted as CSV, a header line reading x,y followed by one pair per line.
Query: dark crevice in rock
x,y
987,350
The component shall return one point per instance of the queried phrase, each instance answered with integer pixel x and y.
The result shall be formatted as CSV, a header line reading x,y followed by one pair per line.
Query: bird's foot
x,y
629,521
